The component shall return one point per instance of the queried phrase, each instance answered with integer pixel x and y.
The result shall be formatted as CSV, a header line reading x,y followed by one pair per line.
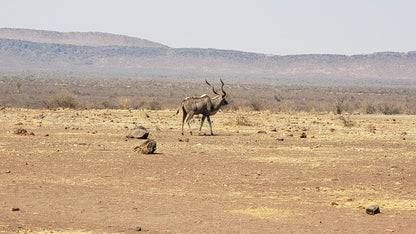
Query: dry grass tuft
x,y
240,120
125,103
347,122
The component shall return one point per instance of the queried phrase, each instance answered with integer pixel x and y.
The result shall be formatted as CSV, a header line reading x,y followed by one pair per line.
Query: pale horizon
x,y
267,27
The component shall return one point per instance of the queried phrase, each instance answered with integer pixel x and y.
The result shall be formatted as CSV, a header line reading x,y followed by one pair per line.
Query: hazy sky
x,y
272,27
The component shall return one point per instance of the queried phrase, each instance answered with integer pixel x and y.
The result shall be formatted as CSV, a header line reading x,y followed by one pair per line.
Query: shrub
x,y
125,103
62,100
370,108
339,105
106,105
390,110
155,105
255,104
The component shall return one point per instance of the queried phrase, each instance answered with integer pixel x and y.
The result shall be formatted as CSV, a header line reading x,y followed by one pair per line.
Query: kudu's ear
x,y
213,89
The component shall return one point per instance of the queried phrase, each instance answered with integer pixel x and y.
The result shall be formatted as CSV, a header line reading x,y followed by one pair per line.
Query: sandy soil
x,y
78,172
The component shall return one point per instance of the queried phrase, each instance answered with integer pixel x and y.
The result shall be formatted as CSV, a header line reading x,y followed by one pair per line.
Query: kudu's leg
x,y
183,119
202,122
209,122
188,119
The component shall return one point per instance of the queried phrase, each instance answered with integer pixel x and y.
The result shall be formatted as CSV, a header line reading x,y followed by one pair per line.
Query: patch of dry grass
x,y
265,213
347,198
239,120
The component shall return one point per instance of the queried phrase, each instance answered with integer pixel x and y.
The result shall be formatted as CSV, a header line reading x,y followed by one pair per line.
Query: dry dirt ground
x,y
78,172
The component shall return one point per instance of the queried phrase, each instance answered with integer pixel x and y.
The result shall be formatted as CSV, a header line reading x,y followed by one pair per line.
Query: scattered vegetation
x,y
47,91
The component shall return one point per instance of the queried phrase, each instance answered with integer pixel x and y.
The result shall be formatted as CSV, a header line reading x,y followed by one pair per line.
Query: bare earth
x,y
79,173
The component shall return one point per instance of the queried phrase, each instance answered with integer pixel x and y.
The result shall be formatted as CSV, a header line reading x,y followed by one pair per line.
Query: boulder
x,y
138,132
148,147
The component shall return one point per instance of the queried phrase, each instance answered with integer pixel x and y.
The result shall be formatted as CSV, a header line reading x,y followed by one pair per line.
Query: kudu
x,y
203,105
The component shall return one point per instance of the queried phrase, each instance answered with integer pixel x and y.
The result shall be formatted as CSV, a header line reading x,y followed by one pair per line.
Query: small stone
x,y
334,203
372,210
303,135
15,209
261,132
280,139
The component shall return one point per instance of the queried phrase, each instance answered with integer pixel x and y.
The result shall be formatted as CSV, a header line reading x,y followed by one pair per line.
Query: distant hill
x,y
34,50
75,38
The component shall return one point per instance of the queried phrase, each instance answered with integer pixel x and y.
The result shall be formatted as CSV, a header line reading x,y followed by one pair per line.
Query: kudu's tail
x,y
178,109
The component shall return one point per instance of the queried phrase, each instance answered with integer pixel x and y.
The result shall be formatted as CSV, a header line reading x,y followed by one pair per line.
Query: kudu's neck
x,y
216,102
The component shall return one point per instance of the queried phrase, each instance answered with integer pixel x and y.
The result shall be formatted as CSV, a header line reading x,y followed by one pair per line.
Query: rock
x,y
183,140
280,139
20,131
23,132
15,209
138,132
148,147
303,135
261,132
372,210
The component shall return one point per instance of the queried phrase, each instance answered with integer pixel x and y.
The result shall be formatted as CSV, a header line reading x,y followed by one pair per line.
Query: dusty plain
x,y
78,172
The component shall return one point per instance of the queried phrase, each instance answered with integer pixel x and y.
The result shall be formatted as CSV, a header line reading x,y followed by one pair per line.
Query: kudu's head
x,y
220,96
